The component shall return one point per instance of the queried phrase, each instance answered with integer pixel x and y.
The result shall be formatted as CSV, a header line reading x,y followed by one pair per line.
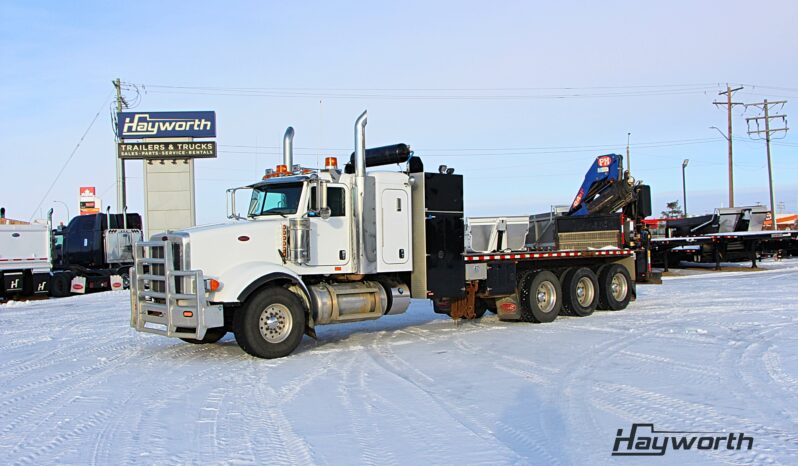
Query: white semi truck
x,y
324,246
25,259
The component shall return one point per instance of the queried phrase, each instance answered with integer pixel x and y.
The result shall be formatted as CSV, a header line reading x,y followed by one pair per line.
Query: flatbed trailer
x,y
721,247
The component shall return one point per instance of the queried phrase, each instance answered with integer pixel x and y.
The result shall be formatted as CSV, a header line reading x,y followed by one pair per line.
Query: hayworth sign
x,y
139,125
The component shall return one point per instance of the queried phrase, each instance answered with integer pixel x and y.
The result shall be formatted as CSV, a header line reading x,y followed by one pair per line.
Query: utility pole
x,y
729,104
765,106
121,197
628,157
684,185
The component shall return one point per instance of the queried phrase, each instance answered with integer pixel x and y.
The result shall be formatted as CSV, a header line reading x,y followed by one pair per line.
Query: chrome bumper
x,y
168,309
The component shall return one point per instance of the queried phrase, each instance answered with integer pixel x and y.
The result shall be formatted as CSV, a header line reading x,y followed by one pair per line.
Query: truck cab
x,y
315,246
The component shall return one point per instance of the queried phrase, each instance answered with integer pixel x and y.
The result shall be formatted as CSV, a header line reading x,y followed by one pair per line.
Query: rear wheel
x,y
60,285
271,324
580,292
212,335
540,296
480,307
615,288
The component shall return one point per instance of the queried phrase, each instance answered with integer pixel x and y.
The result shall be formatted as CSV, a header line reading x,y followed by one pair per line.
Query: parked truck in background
x,y
25,259
92,253
330,246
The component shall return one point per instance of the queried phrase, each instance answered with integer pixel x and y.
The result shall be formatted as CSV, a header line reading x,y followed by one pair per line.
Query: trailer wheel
x,y
540,296
60,285
211,336
580,292
615,288
271,324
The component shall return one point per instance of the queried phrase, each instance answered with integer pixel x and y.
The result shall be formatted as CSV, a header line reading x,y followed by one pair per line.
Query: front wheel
x,y
271,324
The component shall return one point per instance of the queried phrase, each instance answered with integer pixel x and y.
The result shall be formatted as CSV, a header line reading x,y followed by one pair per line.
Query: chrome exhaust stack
x,y
358,245
288,149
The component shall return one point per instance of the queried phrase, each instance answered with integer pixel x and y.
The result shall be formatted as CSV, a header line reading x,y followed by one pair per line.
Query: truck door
x,y
395,227
329,239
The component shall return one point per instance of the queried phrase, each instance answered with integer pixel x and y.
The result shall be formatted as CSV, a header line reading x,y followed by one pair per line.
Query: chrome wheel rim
x,y
585,292
619,287
275,323
546,297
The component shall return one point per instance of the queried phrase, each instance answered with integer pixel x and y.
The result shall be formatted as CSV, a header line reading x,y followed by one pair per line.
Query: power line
x,y
74,151
439,97
639,145
453,89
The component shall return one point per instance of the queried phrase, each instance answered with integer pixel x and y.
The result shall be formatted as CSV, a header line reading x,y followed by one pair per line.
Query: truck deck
x,y
527,255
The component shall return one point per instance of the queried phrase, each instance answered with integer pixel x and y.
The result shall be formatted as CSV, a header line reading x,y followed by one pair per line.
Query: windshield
x,y
280,199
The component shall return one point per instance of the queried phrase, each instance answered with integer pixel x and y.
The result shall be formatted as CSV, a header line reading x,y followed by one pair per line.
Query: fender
x,y
240,281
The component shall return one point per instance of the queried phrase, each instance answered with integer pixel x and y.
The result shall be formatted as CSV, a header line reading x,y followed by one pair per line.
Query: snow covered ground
x,y
712,352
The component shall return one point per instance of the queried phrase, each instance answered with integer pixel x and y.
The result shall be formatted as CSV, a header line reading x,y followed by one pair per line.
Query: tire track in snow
x,y
107,449
371,445
425,385
285,446
43,412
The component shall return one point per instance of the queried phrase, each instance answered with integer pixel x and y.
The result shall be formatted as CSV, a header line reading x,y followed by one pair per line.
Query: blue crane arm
x,y
605,172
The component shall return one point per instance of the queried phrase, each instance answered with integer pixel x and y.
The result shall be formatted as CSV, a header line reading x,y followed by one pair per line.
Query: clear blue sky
x,y
520,149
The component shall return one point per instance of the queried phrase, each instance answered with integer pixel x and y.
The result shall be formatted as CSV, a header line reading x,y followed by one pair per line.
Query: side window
x,y
336,201
275,200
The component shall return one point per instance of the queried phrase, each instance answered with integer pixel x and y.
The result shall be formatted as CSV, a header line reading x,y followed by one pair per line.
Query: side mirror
x,y
230,204
321,199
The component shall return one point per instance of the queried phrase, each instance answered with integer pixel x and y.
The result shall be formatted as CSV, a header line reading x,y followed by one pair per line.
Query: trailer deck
x,y
722,246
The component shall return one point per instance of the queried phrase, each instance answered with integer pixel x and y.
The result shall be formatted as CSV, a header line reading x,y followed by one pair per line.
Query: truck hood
x,y
216,248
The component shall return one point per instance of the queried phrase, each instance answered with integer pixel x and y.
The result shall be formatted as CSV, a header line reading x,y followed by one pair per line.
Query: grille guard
x,y
164,310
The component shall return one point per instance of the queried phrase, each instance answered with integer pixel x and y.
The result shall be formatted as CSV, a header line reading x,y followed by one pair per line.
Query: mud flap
x,y
508,308
78,285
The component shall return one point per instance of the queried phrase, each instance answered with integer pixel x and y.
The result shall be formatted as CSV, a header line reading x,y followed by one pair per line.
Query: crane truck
x,y
332,245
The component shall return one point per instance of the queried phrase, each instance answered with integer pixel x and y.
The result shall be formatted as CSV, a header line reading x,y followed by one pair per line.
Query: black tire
x,y
491,303
271,324
60,285
480,308
212,335
540,296
124,272
615,287
580,292
442,306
